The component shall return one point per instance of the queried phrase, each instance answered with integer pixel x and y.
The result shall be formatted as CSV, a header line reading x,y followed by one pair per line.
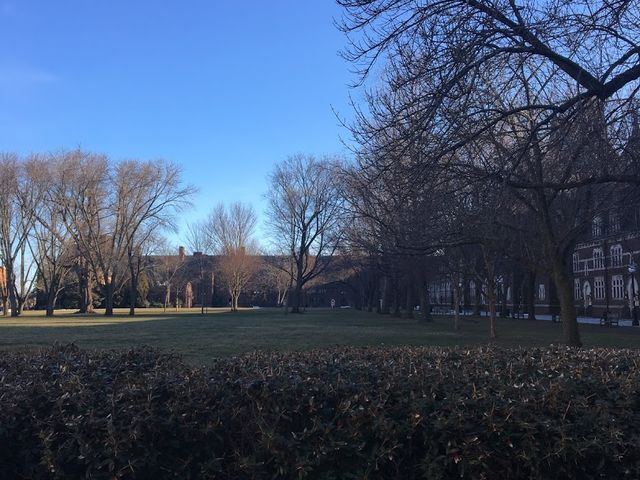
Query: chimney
x,y
181,253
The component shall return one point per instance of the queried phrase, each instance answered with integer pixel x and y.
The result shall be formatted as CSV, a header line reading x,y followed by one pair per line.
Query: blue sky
x,y
224,88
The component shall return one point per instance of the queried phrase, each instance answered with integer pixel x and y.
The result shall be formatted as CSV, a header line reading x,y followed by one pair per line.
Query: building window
x,y
576,262
614,222
433,293
596,226
598,258
577,289
444,292
541,291
617,287
598,284
616,255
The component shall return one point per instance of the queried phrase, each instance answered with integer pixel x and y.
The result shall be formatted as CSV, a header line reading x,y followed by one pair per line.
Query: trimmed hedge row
x,y
347,413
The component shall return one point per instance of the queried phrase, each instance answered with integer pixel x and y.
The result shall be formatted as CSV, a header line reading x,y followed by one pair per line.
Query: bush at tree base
x,y
344,413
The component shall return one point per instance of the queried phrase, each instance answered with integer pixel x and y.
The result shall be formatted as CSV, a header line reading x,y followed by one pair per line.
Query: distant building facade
x,y
604,268
604,265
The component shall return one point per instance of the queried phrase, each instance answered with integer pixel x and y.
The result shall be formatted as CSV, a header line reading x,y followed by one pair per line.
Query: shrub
x,y
344,413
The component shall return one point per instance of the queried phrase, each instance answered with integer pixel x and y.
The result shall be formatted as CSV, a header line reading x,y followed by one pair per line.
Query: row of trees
x,y
498,128
78,218
305,216
81,214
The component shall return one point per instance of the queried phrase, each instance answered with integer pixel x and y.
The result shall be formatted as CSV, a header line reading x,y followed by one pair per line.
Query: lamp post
x,y
632,271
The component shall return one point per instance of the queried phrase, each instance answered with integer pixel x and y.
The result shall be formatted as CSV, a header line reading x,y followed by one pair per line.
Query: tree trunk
x,y
409,303
233,296
371,299
5,306
84,284
491,300
456,304
202,296
13,300
296,298
383,306
564,287
503,300
491,293
396,301
108,299
22,298
492,316
167,296
477,298
531,295
20,301
133,287
52,296
282,295
133,295
425,307
286,300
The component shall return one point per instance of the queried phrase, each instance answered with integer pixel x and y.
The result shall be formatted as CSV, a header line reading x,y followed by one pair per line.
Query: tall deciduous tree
x,y
84,193
148,195
305,216
17,215
50,243
111,209
468,72
166,268
231,230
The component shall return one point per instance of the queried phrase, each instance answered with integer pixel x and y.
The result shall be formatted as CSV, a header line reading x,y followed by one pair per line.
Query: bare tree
x,y
199,241
278,273
17,217
439,53
231,230
166,268
400,218
111,209
4,293
149,194
50,243
197,237
92,214
466,72
305,214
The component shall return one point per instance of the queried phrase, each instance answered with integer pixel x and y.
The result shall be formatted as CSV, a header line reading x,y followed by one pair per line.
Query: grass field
x,y
219,333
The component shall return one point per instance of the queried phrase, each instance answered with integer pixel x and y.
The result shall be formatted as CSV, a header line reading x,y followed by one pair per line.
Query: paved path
x,y
547,318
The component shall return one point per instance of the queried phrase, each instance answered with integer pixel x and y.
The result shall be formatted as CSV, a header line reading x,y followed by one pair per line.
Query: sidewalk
x,y
547,318
590,320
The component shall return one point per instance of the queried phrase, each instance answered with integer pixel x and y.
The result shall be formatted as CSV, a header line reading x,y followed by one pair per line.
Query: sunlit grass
x,y
36,318
201,338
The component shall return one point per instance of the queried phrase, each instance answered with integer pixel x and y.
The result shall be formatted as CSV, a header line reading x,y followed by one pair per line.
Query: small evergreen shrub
x,y
346,413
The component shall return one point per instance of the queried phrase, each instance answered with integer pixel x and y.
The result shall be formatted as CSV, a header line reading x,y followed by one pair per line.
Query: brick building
x,y
604,275
604,264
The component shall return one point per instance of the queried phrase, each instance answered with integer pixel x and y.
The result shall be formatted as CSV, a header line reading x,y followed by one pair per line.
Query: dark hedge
x,y
345,413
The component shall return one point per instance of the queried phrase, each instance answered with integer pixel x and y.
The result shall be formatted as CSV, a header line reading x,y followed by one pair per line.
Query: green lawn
x,y
219,333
